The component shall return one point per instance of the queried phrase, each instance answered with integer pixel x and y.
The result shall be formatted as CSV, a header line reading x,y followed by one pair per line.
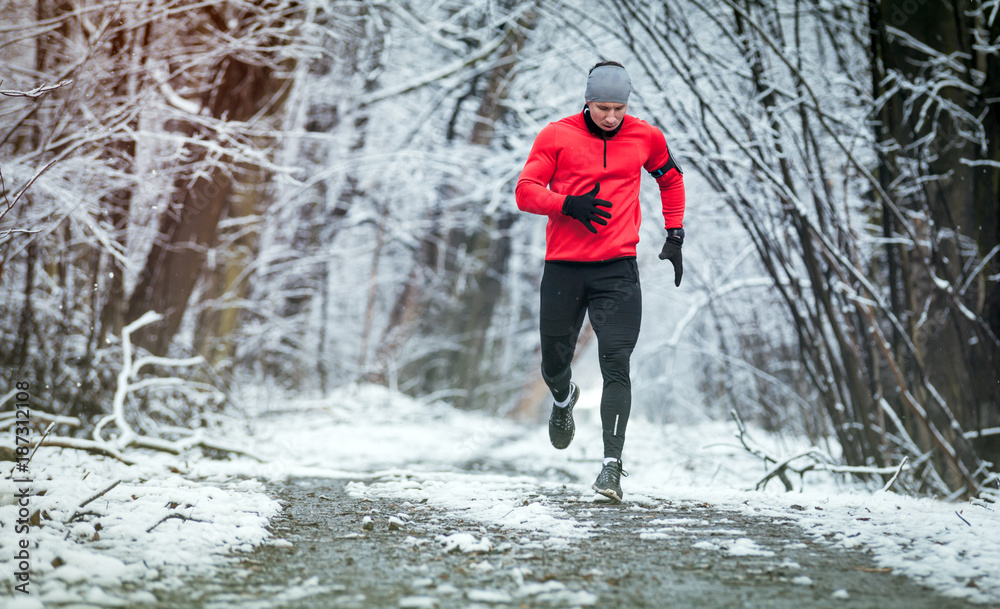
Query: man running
x,y
583,173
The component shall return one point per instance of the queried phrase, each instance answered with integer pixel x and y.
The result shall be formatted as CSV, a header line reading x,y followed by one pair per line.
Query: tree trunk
x,y
199,201
227,283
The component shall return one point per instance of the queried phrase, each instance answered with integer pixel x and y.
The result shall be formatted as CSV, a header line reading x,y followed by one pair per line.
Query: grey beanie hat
x,y
608,84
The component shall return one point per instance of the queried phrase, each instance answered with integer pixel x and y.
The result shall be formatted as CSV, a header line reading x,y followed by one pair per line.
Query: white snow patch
x,y
658,535
447,590
745,547
464,542
418,602
734,547
488,596
679,522
555,593
483,566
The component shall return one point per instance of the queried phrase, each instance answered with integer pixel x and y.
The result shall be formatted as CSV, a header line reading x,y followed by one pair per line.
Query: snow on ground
x,y
157,525
152,527
427,452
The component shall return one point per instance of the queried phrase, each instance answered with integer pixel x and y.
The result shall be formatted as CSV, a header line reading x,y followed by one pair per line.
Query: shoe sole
x,y
607,492
564,446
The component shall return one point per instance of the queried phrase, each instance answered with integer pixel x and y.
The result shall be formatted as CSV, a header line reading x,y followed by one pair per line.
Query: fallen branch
x,y
8,419
127,437
198,440
100,494
821,462
97,448
168,517
779,470
742,437
130,367
77,513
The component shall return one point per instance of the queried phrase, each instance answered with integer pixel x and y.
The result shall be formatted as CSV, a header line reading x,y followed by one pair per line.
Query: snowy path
x,y
660,553
489,515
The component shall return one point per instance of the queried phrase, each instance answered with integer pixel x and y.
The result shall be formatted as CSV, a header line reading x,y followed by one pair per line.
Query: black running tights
x,y
609,293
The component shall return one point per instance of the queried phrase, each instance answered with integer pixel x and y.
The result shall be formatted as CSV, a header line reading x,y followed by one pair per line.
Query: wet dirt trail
x,y
671,554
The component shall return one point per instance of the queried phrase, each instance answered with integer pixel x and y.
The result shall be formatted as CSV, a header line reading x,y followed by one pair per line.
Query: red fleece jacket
x,y
567,159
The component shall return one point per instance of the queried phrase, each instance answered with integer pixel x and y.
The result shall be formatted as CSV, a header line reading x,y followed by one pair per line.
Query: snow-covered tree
x,y
776,103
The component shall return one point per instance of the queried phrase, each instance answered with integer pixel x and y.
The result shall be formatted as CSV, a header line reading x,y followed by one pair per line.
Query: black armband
x,y
677,234
671,164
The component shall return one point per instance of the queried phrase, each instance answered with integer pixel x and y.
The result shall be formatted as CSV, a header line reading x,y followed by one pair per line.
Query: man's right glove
x,y
585,208
672,251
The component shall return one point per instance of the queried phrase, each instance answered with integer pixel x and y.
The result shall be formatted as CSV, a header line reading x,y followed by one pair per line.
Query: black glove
x,y
585,208
672,251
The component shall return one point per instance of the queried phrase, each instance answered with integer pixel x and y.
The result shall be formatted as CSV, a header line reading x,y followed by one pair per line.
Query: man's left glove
x,y
672,251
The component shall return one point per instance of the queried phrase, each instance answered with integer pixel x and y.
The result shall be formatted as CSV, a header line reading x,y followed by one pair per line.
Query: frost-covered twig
x,y
778,471
48,430
77,513
440,73
100,494
37,91
888,485
979,269
982,433
8,204
169,516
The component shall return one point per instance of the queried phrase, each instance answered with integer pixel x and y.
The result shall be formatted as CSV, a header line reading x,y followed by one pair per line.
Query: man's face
x,y
607,115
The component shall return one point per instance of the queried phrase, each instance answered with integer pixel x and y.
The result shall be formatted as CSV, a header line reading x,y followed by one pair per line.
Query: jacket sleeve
x,y
670,179
532,193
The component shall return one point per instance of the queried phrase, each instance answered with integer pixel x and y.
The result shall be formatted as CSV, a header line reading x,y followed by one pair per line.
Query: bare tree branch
x,y
37,91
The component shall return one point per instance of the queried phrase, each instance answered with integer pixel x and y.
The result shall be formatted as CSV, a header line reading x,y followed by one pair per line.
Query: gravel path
x,y
671,554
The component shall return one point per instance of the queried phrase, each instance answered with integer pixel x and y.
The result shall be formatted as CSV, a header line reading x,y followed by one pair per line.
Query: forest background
x,y
312,194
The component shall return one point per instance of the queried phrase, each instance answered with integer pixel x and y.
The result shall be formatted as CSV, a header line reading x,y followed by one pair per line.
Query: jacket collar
x,y
596,130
